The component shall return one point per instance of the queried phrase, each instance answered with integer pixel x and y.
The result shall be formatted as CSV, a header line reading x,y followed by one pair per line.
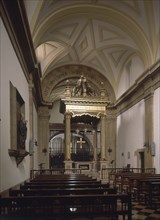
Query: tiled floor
x,y
140,211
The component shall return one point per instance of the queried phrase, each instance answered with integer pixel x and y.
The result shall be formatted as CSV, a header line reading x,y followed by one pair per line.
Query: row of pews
x,y
143,187
67,196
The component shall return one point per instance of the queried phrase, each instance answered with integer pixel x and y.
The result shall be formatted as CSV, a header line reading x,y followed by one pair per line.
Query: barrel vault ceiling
x,y
98,36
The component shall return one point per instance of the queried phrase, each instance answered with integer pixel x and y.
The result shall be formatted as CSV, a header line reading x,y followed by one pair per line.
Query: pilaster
x,y
102,137
31,142
43,136
94,150
148,129
68,135
111,121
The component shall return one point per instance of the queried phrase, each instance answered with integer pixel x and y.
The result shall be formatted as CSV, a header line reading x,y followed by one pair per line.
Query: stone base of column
x,y
95,173
104,174
68,166
94,166
104,164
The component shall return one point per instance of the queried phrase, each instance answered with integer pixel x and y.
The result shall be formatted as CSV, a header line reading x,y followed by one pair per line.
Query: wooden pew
x,y
66,200
65,177
49,182
125,182
61,185
57,181
67,207
133,181
66,191
144,187
149,190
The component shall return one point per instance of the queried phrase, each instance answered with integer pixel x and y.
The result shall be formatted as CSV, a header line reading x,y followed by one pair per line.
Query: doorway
x,y
141,155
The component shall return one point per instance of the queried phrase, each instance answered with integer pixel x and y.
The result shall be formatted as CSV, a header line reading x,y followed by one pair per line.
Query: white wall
x,y
130,135
156,129
134,68
11,71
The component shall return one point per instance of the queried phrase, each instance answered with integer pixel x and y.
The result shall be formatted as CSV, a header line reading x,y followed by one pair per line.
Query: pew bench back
x,y
65,206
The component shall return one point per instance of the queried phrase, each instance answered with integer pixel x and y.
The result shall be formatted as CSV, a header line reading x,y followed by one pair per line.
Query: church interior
x,y
80,105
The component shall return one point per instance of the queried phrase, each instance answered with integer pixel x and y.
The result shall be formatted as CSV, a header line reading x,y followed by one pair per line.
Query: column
x,y
68,162
103,161
31,141
102,138
94,168
148,129
94,132
43,136
68,135
111,136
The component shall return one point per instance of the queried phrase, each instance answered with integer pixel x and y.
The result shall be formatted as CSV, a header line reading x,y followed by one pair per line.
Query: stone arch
x,y
53,84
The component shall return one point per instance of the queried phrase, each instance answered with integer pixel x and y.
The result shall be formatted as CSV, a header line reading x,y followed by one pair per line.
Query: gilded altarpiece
x,y
79,102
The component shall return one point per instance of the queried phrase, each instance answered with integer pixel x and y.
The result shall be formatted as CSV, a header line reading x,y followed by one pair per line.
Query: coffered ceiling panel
x,y
102,34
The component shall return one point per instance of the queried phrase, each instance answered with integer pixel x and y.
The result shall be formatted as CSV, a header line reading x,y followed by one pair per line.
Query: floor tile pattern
x,y
140,211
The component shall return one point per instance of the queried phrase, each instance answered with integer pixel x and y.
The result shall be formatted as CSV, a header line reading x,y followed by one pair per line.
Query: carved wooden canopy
x,y
83,103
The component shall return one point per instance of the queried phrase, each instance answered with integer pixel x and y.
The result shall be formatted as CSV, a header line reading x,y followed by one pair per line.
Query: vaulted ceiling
x,y
100,38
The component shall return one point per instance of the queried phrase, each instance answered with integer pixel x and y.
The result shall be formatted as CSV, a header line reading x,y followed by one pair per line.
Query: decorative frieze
x,y
84,106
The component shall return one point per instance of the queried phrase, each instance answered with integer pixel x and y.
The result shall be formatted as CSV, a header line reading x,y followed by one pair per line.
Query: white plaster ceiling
x,y
101,34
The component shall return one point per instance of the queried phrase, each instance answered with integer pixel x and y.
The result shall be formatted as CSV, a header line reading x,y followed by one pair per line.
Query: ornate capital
x,y
43,112
68,114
